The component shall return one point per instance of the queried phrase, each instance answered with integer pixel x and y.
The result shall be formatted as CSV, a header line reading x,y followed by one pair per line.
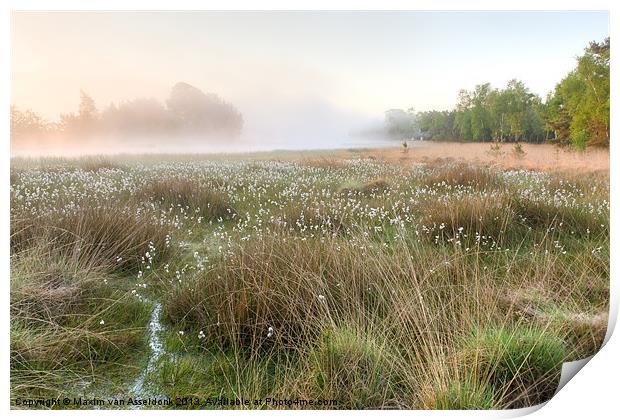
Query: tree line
x,y
187,111
575,113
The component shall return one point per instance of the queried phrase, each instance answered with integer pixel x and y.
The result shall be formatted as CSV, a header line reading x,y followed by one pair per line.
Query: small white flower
x,y
181,332
321,297
269,332
201,335
101,322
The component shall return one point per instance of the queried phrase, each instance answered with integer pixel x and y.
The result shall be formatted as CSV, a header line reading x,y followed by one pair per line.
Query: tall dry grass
x,y
537,157
186,193
116,238
403,318
68,317
72,311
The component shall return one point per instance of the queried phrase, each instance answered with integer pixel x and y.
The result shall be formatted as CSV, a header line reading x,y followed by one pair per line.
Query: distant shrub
x,y
518,150
495,147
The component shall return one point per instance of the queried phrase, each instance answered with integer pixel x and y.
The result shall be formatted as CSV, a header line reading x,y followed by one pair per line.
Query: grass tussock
x,y
578,182
461,175
524,362
370,188
537,214
461,395
115,238
354,369
50,292
67,317
360,319
189,195
290,283
473,216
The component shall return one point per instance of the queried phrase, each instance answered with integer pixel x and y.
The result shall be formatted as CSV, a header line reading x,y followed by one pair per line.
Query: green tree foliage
x,y
437,125
483,114
576,112
579,107
479,110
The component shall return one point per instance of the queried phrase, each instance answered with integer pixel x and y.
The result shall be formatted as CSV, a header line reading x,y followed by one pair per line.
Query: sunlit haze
x,y
300,79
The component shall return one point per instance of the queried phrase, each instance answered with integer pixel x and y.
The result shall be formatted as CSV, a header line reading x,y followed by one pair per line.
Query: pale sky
x,y
348,63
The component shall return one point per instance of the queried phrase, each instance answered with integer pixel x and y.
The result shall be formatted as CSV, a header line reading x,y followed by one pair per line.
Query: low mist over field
x,y
110,82
190,121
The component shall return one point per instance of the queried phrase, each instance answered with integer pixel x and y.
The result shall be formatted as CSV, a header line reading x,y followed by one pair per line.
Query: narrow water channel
x,y
138,389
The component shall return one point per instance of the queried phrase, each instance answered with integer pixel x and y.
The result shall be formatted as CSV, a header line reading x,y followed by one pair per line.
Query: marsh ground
x,y
450,276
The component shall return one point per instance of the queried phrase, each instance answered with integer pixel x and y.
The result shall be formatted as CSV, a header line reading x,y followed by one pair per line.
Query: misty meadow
x,y
445,259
